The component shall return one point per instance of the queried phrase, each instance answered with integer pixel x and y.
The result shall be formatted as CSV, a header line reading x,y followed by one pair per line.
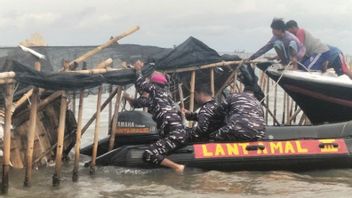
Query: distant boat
x,y
324,99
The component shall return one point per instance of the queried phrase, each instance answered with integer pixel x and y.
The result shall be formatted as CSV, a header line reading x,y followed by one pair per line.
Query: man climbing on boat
x,y
319,56
169,123
209,117
286,45
245,118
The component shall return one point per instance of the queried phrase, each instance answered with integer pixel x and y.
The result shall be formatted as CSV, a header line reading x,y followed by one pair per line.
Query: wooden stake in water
x,y
60,140
115,119
284,109
31,132
275,100
212,82
267,99
7,138
110,108
96,132
191,100
78,136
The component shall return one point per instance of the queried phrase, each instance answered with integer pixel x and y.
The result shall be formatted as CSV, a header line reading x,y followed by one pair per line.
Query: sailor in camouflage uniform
x,y
209,117
245,119
169,123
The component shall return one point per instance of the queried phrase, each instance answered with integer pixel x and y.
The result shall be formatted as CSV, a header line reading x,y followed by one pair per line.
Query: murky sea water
x,y
123,182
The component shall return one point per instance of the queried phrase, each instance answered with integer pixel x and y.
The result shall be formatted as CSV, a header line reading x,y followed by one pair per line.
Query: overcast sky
x,y
224,25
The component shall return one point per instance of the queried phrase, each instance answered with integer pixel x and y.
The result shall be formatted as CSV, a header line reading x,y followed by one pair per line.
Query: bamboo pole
x,y
284,109
228,80
110,109
287,107
74,103
60,140
7,81
219,64
212,82
78,136
31,132
96,132
275,100
84,129
7,75
101,47
23,99
104,64
294,116
106,102
191,102
7,138
267,99
94,71
182,103
115,119
271,114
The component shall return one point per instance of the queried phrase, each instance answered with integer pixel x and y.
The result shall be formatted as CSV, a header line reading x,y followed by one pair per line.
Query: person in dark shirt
x,y
173,134
245,118
209,117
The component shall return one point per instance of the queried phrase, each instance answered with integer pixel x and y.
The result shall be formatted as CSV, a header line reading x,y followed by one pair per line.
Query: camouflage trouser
x,y
156,152
239,130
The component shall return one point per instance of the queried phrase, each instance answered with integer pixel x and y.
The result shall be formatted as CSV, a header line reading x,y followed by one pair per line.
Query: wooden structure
x,y
44,136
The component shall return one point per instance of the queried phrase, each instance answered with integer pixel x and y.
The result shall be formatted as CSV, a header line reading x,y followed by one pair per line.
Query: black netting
x,y
71,80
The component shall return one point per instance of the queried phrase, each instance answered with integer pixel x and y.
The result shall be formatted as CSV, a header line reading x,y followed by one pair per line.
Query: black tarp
x,y
72,80
191,52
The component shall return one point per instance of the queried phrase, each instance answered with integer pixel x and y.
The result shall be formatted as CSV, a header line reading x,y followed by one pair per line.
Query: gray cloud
x,y
224,24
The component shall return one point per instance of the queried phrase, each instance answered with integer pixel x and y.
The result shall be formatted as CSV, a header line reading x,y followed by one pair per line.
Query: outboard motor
x,y
135,122
250,81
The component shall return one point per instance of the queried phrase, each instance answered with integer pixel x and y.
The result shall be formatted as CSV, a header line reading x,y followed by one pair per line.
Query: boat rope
x,y
277,82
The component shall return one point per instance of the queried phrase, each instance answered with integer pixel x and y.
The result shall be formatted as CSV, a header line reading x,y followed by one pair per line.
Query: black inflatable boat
x,y
284,148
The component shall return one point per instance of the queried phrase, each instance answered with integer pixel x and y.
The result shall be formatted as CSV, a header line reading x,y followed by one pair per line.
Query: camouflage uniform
x,y
169,123
245,119
210,118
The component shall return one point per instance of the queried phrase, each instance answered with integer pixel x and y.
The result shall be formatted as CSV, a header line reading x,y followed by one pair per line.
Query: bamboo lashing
x,y
7,138
101,47
32,131
115,118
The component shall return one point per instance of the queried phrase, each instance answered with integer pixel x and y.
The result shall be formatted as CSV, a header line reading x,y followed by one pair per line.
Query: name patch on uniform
x,y
270,148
